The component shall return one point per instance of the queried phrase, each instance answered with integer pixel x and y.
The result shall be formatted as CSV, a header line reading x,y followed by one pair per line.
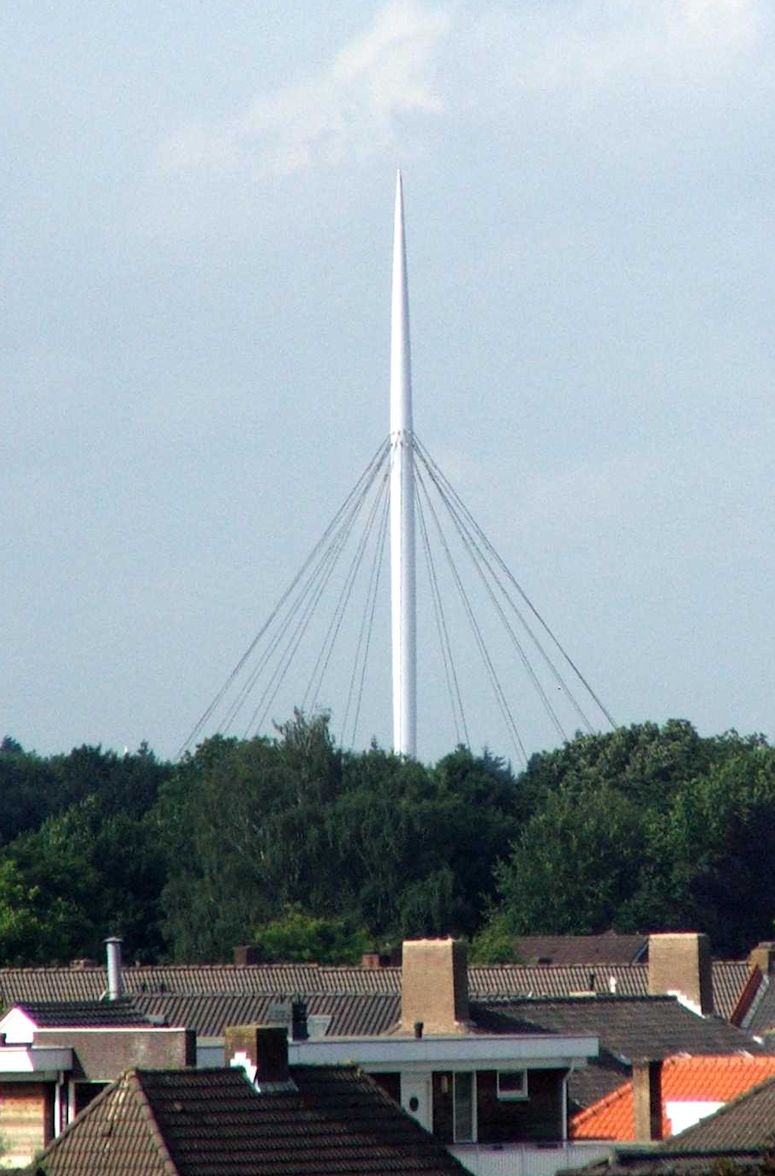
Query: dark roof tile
x,y
608,948
65,984
746,1122
761,1016
208,1122
628,1028
351,1015
85,1014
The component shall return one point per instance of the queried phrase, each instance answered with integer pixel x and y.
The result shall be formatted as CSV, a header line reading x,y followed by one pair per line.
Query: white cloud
x,y
357,106
594,43
413,62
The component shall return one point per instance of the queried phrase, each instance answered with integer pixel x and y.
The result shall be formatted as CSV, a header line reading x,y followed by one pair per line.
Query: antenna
x,y
400,480
402,545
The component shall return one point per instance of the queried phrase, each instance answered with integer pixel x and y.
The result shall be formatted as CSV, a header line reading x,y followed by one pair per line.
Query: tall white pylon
x,y
402,545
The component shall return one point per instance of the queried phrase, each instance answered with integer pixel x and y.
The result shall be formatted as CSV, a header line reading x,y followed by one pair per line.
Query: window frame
x,y
512,1095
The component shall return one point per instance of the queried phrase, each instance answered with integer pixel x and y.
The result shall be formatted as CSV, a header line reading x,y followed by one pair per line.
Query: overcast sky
x,y
196,210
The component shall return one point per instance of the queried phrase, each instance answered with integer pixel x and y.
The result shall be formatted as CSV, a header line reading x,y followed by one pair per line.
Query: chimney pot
x,y
418,1028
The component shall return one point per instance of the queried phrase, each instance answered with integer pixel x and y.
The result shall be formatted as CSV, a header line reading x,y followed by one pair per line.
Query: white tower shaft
x,y
402,544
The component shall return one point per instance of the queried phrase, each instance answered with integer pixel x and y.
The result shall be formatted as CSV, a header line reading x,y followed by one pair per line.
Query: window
x,y
85,1092
512,1084
464,1127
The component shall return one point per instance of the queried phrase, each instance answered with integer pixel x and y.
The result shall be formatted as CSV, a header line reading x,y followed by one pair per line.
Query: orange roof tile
x,y
685,1078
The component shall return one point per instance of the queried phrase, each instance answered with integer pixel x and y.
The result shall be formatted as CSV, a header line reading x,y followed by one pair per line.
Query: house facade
x,y
496,1096
276,1120
55,1058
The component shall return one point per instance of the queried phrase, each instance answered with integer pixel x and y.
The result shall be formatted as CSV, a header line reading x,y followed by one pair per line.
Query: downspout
x,y
564,1123
59,1116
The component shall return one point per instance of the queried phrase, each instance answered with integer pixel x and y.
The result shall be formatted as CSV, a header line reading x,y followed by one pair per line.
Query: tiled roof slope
x,y
747,1122
729,980
556,979
84,1014
60,983
50,984
115,1136
761,1017
632,1027
66,984
359,1015
208,1122
609,948
639,1162
684,1079
352,1015
628,1028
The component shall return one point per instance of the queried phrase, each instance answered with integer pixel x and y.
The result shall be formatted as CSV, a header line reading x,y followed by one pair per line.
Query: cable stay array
x,y
320,637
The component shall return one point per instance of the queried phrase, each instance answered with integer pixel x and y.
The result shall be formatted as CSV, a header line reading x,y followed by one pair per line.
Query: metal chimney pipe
x,y
115,978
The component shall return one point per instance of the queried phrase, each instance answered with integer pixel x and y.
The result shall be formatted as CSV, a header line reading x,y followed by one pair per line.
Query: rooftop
x,y
207,1122
629,1028
84,1014
345,1015
712,1079
746,1122
608,948
503,980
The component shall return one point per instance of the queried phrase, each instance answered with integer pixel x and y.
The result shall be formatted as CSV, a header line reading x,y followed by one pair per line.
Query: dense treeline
x,y
315,852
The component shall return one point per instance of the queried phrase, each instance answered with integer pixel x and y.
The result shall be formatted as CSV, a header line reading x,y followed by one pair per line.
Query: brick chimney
x,y
262,1050
763,957
434,987
647,1099
679,963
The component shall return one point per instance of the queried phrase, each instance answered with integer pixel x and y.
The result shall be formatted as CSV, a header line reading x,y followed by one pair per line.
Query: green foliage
x,y
575,864
243,826
33,929
95,845
27,786
254,827
320,852
109,868
297,936
494,944
710,853
647,828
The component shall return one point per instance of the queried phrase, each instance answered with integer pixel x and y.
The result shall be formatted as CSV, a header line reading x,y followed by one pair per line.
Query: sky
x,y
196,207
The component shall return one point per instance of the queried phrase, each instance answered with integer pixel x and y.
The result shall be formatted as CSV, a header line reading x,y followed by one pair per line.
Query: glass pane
x,y
464,1108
